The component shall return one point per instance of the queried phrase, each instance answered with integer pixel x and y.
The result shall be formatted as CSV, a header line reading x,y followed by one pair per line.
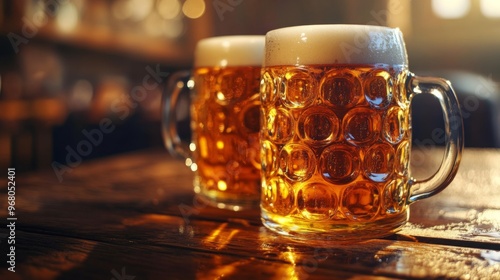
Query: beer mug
x,y
225,108
336,132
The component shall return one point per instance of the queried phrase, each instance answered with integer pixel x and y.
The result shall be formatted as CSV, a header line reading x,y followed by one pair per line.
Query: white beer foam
x,y
223,51
335,44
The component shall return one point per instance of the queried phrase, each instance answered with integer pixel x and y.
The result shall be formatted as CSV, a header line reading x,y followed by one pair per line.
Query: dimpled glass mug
x,y
224,95
336,132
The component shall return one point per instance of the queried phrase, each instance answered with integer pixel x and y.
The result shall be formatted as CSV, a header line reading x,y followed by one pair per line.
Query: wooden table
x,y
133,216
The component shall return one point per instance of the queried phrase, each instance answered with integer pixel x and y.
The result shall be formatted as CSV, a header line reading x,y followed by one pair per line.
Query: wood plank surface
x,y
70,258
137,211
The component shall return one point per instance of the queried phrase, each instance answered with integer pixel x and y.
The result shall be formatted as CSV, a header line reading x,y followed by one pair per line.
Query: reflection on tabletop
x,y
138,216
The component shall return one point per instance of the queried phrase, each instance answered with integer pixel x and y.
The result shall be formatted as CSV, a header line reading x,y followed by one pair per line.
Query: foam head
x,y
226,51
335,44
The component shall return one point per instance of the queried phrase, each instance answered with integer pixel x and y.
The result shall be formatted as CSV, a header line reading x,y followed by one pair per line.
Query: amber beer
x,y
336,132
225,125
225,116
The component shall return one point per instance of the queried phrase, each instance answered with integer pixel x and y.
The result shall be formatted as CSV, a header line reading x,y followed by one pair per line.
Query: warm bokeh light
x,y
194,167
490,8
140,9
193,8
81,95
120,9
169,9
173,28
450,9
221,185
67,17
220,145
192,147
151,25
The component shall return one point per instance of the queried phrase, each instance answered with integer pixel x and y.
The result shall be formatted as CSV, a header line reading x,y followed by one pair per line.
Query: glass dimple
x,y
253,151
279,88
217,121
378,89
269,158
316,201
394,198
379,162
266,88
403,158
361,126
339,163
399,89
230,86
318,126
279,125
360,202
299,89
297,162
395,125
341,90
249,117
279,194
227,147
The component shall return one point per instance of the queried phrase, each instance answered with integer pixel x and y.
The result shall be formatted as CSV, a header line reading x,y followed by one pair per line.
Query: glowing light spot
x,y
490,8
450,9
221,205
81,95
140,9
203,146
197,189
220,145
303,37
192,147
194,167
220,96
193,8
169,9
151,23
67,17
221,185
173,28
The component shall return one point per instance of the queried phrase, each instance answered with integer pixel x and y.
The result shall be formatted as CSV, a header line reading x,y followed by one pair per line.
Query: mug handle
x,y
176,83
454,135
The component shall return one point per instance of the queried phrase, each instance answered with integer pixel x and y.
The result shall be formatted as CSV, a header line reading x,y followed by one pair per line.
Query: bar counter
x,y
134,216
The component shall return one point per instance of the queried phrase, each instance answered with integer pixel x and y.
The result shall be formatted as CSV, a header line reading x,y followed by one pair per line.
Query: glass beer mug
x,y
224,110
336,132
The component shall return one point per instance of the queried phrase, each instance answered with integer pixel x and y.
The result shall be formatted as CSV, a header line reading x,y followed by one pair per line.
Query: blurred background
x,y
83,79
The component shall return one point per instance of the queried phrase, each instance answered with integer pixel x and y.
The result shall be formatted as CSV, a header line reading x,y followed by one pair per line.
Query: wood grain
x,y
137,212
